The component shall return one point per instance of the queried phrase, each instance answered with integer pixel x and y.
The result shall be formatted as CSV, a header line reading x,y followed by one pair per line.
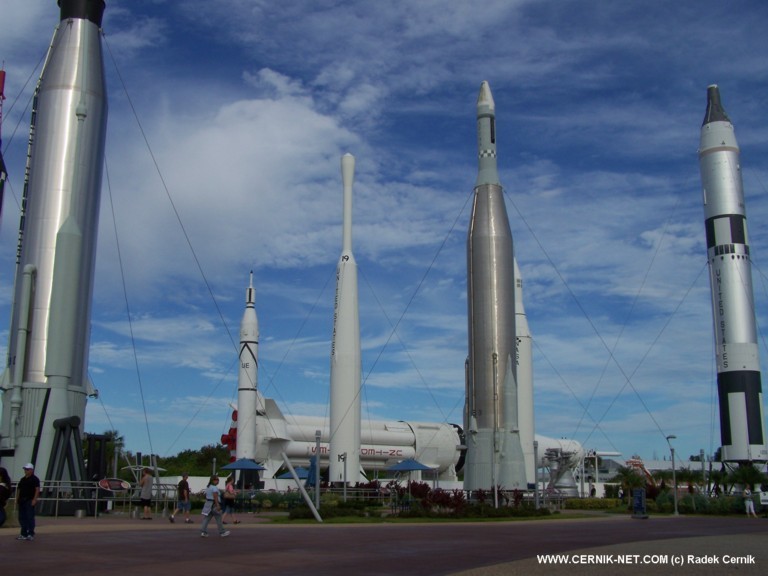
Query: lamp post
x,y
317,469
674,477
536,473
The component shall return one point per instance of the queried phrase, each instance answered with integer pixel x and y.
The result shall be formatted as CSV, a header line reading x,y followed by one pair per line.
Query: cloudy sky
x,y
227,122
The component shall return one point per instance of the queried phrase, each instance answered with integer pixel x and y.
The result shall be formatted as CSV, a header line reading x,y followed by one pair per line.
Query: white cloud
x,y
248,111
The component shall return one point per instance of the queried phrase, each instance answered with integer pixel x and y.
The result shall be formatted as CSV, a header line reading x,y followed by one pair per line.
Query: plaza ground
x,y
118,544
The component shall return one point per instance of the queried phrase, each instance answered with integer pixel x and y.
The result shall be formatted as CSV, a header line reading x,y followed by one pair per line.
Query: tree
x,y
629,478
747,474
196,462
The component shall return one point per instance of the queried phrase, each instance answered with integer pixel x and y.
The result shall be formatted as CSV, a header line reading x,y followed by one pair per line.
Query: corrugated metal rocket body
x,y
49,338
494,451
345,351
742,427
247,377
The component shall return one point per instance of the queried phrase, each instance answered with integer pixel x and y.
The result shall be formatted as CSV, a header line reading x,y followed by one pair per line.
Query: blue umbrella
x,y
243,464
409,465
301,472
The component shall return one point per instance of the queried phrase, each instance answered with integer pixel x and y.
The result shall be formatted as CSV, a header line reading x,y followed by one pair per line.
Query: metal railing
x,y
68,498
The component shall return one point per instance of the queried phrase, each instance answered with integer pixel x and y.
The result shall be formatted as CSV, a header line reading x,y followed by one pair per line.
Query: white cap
x,y
29,466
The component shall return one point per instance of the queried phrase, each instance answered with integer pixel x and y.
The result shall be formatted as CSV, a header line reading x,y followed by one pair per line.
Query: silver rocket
x,y
247,377
346,368
742,428
46,372
494,450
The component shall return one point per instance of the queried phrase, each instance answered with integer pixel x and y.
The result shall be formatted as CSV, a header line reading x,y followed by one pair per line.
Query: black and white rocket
x,y
742,428
494,450
45,379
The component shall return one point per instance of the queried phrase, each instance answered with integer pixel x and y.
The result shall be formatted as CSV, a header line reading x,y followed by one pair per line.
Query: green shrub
x,y
484,510
699,504
592,503
334,511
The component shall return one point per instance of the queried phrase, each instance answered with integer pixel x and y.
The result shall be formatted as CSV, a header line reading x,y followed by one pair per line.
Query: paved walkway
x,y
114,544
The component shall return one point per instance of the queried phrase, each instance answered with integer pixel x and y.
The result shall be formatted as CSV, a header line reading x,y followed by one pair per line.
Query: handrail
x,y
65,498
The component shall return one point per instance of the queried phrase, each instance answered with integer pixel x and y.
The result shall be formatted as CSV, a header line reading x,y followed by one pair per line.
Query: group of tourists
x,y
218,506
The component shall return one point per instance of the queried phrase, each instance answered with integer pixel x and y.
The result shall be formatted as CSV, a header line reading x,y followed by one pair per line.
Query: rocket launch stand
x,y
67,451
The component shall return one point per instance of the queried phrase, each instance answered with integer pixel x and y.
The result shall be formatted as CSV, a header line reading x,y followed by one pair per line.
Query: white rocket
x,y
345,351
346,445
45,380
247,377
524,361
739,387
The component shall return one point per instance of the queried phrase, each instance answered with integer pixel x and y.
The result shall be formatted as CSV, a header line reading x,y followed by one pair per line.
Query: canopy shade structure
x,y
243,464
409,465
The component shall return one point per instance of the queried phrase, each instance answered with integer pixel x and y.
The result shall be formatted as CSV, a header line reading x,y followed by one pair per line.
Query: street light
x,y
536,473
674,477
316,479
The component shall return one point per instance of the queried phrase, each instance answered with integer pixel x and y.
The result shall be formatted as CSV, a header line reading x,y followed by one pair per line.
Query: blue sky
x,y
247,109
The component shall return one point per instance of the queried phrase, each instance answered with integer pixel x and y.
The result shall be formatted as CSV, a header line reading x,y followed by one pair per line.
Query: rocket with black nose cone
x,y
494,450
739,387
45,384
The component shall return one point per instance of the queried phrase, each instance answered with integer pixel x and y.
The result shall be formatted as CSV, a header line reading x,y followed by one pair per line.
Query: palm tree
x,y
718,480
629,478
747,474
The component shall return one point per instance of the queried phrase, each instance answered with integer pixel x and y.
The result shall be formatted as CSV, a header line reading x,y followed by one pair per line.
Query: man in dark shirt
x,y
27,493
184,503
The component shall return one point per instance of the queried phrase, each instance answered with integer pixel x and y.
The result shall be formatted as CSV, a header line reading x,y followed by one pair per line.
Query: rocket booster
x,y
247,377
346,365
525,415
46,372
494,450
742,428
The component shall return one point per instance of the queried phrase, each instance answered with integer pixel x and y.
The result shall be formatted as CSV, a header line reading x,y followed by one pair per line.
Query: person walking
x,y
184,504
27,493
212,508
749,504
145,495
230,500
5,493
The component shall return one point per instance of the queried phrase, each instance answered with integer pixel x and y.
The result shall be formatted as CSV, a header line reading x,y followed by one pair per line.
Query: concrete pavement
x,y
115,544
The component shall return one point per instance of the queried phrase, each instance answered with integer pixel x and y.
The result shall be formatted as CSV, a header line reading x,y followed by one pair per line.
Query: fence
x,y
67,498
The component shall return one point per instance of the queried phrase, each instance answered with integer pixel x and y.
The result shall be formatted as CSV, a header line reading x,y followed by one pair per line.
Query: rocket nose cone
x,y
92,10
485,98
715,111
